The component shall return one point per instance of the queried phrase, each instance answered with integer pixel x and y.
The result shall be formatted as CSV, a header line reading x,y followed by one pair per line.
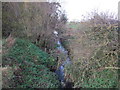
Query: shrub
x,y
95,47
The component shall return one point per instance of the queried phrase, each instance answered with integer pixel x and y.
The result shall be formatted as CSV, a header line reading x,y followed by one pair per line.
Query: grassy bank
x,y
28,66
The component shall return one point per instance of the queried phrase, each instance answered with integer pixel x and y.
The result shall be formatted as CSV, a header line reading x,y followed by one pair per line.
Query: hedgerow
x,y
95,64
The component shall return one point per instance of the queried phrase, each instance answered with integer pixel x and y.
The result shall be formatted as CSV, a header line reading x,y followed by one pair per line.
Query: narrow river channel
x,y
60,70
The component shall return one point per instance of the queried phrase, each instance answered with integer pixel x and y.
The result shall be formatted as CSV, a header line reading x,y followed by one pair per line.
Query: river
x,y
60,70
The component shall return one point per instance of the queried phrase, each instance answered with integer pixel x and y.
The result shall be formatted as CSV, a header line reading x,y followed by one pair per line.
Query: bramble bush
x,y
98,69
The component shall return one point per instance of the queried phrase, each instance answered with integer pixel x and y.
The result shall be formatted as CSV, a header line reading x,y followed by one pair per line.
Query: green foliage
x,y
23,50
34,64
102,79
38,76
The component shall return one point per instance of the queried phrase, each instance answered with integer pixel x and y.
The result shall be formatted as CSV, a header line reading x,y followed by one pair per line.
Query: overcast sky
x,y
76,8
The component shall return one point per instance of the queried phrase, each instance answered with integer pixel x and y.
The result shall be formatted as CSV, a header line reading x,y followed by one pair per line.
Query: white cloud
x,y
76,8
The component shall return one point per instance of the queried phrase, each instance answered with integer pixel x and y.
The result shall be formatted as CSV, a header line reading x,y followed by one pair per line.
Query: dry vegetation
x,y
93,47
